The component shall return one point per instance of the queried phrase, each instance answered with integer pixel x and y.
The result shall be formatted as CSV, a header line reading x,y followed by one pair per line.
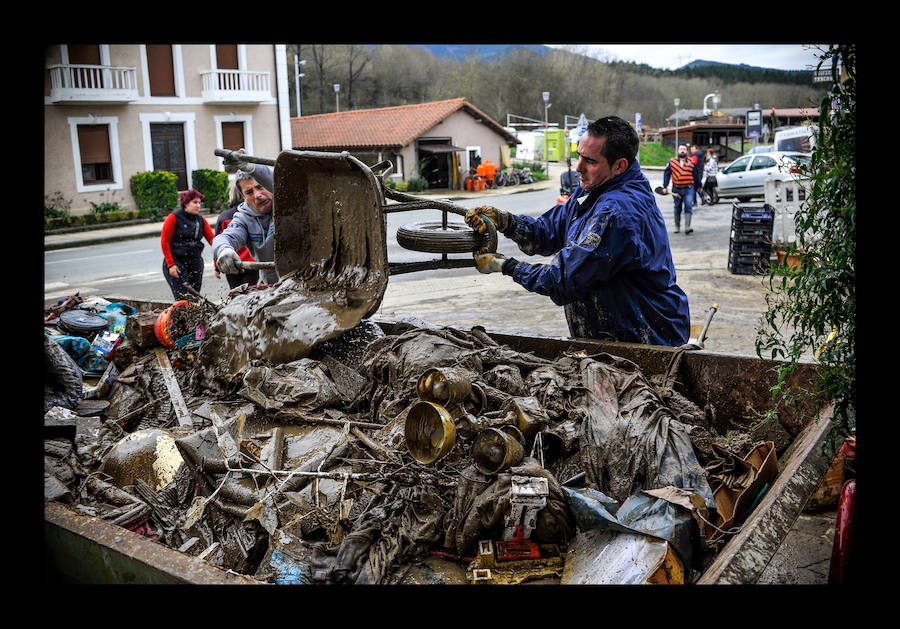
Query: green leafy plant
x,y
812,307
56,205
213,184
105,207
155,189
419,184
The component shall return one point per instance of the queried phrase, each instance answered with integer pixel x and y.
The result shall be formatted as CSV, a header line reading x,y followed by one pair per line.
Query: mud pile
x,y
426,455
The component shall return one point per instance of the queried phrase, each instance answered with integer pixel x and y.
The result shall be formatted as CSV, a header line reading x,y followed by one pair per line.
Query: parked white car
x,y
746,176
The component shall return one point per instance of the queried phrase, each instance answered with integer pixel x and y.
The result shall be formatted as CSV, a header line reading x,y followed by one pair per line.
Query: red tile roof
x,y
387,127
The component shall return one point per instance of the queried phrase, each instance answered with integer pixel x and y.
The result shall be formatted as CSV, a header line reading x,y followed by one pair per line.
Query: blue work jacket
x,y
612,270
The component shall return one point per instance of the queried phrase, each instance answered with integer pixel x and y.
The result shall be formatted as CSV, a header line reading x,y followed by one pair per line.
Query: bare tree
x,y
357,58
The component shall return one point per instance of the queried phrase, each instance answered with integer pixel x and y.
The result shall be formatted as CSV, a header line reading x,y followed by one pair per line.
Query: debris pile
x,y
427,455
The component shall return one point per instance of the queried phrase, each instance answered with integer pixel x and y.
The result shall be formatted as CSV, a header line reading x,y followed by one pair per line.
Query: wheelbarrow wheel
x,y
431,237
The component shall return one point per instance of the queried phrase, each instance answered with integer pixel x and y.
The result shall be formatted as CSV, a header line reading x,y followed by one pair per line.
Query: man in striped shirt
x,y
685,178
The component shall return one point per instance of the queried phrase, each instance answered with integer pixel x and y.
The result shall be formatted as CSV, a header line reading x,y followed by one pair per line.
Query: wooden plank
x,y
181,409
746,555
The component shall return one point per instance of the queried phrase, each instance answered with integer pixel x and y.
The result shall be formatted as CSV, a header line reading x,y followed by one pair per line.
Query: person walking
x,y
685,180
181,239
699,159
710,170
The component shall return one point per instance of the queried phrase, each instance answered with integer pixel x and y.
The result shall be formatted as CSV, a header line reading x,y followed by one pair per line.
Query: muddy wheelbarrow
x,y
330,210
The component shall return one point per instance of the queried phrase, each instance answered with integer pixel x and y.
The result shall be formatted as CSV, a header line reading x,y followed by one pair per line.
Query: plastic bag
x,y
62,384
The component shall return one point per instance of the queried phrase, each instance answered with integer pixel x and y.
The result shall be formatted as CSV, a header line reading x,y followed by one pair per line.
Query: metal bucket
x,y
430,432
496,449
447,386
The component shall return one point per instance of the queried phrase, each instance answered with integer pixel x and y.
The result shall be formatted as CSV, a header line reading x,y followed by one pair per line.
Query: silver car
x,y
746,176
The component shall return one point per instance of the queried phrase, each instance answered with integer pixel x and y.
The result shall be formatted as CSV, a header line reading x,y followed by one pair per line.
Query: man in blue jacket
x,y
612,268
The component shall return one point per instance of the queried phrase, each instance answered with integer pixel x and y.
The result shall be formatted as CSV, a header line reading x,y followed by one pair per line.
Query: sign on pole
x,y
753,123
637,122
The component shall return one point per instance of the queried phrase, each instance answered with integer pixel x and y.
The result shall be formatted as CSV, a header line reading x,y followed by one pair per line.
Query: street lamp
x,y
546,97
677,101
298,75
337,96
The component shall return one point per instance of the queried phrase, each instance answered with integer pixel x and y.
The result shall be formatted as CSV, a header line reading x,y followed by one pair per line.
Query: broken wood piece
x,y
140,330
181,409
377,449
293,414
121,421
276,453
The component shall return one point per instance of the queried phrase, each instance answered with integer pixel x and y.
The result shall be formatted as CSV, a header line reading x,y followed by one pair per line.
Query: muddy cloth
x,y
399,527
629,438
278,324
482,503
302,384
62,377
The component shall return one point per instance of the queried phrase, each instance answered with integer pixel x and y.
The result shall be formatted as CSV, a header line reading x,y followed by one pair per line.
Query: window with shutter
x,y
89,55
233,136
93,146
160,70
227,59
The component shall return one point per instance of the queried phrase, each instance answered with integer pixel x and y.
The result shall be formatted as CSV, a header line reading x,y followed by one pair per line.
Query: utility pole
x,y
546,97
677,101
297,76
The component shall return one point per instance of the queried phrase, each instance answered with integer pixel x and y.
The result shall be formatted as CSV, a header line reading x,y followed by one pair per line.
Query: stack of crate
x,y
751,239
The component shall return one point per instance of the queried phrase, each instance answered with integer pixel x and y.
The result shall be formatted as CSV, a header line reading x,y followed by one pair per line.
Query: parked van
x,y
801,139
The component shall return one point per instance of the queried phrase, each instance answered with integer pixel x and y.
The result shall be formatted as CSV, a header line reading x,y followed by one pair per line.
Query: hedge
x,y
155,189
213,185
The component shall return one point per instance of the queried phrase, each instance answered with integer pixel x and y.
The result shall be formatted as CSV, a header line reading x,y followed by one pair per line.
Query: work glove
x,y
489,262
499,218
234,163
228,261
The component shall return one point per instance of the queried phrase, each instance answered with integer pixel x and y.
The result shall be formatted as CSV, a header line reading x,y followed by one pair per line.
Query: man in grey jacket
x,y
252,225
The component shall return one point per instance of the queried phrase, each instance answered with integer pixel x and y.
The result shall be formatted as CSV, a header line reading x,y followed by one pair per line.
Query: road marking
x,y
106,255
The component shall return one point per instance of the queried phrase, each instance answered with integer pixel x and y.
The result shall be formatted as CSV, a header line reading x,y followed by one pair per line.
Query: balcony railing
x,y
235,86
92,84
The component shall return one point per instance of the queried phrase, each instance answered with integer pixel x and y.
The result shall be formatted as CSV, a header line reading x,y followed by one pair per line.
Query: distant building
x,y
113,110
439,141
724,129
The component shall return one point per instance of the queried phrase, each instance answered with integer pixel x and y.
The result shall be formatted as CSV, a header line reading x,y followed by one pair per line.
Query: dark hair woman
x,y
182,237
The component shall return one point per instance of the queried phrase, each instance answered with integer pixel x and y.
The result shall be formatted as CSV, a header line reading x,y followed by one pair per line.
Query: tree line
x,y
385,75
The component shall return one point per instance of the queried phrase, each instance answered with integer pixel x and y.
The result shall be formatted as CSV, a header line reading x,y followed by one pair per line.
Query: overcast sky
x,y
673,56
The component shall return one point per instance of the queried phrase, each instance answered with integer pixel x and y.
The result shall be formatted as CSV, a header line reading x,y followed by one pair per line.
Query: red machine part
x,y
843,562
843,565
517,548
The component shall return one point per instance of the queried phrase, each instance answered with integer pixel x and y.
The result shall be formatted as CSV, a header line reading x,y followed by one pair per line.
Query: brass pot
x,y
429,431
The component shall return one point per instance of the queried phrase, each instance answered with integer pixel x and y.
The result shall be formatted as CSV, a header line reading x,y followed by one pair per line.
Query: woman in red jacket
x,y
182,244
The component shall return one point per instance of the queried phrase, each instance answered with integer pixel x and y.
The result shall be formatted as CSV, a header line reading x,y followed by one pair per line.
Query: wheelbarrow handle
x,y
255,266
412,202
234,155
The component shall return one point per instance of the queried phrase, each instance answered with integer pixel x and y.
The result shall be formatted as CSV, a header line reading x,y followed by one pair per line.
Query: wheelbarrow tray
x,y
330,231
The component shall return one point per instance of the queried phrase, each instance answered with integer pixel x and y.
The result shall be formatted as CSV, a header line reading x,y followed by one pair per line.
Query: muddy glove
x,y
228,261
489,262
234,163
500,218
